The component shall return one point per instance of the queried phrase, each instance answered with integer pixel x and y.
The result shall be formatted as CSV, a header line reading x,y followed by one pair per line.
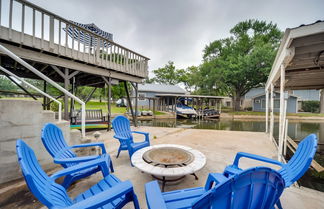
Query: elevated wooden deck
x,y
40,37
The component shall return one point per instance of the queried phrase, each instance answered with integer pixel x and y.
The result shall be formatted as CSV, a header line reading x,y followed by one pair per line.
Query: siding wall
x,y
260,102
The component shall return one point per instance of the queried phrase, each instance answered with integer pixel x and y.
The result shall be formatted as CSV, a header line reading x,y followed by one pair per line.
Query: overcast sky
x,y
178,30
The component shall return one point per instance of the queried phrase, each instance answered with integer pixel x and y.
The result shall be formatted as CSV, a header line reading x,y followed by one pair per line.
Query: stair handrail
x,y
37,89
47,79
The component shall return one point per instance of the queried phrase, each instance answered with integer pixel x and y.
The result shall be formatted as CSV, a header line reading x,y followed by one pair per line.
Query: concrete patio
x,y
219,147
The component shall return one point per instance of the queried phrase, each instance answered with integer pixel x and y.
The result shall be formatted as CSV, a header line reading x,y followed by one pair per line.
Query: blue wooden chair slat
x,y
254,188
55,144
110,192
124,134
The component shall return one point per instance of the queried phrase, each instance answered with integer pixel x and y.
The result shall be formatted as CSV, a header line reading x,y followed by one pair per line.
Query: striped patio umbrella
x,y
86,38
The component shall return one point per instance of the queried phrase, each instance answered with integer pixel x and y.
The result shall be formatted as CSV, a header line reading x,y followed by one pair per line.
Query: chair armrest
x,y
254,157
102,162
146,134
128,142
154,198
214,178
105,197
75,159
100,144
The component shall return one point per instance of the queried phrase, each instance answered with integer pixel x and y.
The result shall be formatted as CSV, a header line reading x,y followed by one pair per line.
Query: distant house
x,y
303,95
246,101
146,91
259,103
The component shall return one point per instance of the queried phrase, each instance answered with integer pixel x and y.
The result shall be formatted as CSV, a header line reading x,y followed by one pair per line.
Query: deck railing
x,y
30,25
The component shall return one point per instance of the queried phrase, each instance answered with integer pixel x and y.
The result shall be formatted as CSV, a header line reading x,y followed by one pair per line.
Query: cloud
x,y
178,30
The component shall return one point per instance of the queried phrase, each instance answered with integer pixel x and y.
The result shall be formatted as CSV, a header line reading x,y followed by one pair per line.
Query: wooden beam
x,y
58,71
73,74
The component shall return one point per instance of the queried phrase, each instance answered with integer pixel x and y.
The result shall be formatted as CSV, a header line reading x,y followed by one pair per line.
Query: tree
x,y
241,62
6,84
167,74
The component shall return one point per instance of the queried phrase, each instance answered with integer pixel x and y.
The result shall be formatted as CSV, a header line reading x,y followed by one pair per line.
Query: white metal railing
x,y
46,31
53,83
37,89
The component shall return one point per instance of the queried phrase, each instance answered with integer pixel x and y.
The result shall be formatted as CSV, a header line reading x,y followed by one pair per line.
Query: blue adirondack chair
x,y
255,188
55,144
291,171
108,193
124,134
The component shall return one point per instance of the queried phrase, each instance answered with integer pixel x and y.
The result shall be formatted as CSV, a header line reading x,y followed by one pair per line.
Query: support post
x,y
66,97
73,92
44,97
136,103
129,102
109,104
267,111
282,112
154,107
271,111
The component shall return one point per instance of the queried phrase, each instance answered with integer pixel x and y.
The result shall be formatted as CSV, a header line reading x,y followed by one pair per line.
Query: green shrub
x,y
248,109
54,107
311,106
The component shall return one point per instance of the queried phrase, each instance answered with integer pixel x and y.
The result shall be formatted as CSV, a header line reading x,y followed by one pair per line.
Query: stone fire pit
x,y
169,162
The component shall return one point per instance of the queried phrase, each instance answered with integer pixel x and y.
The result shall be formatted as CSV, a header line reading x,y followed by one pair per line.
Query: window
x,y
141,96
228,104
257,101
263,104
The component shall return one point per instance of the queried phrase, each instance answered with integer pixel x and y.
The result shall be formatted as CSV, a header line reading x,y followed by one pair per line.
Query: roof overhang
x,y
191,96
301,52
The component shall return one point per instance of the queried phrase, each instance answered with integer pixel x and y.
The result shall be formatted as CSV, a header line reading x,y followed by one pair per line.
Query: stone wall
x,y
24,119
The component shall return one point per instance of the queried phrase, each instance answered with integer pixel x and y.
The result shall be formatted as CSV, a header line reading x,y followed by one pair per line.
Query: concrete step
x,y
48,116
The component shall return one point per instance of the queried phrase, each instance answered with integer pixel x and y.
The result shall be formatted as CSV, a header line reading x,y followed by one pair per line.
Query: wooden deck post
x,y
73,92
282,111
271,111
66,97
153,106
109,104
129,103
267,111
44,97
136,102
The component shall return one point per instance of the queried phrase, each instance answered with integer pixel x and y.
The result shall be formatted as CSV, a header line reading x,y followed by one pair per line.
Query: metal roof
x,y
301,52
161,88
190,96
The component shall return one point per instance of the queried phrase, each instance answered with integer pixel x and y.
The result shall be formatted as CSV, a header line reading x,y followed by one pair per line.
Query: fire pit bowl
x,y
168,156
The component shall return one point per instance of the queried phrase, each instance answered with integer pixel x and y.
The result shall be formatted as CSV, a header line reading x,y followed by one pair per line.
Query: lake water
x,y
297,130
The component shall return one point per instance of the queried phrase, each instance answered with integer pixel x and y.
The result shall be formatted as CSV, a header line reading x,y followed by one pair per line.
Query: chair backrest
x,y
44,188
255,188
121,127
300,161
54,142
